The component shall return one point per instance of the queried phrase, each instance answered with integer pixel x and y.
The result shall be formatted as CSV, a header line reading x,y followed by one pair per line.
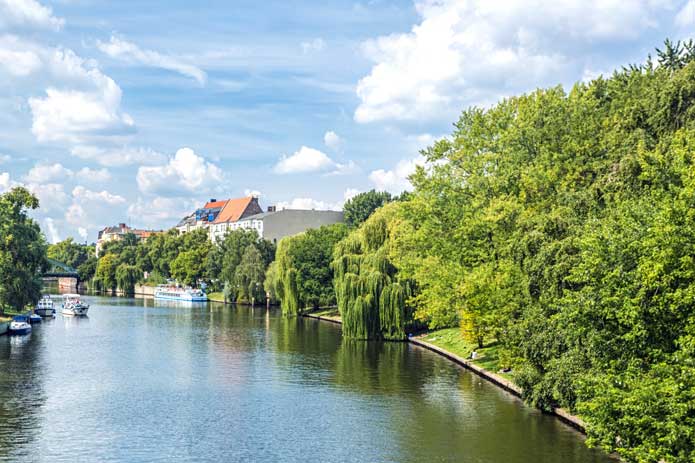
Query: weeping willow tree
x,y
371,298
301,277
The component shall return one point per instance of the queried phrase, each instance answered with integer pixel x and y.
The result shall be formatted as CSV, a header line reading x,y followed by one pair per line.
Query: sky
x,y
140,111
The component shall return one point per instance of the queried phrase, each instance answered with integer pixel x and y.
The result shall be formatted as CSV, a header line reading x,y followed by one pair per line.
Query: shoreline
x,y
495,379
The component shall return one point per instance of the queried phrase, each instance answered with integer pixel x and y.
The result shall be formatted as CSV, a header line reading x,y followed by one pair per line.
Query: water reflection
x,y
145,381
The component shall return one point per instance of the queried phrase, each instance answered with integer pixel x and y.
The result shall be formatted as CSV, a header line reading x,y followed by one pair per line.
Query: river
x,y
144,381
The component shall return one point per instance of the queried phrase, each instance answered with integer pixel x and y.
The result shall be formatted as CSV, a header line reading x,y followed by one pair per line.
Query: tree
x,y
126,277
358,209
22,250
74,255
302,275
250,275
105,275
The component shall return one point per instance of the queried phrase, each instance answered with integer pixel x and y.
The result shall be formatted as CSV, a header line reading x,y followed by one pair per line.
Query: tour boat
x,y
72,305
45,307
20,325
177,293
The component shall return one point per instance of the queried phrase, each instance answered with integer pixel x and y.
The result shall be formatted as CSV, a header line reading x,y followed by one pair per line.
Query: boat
x,y
34,319
73,306
178,293
20,325
45,307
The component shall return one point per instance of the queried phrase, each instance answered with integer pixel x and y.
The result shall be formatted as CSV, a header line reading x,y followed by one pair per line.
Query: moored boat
x,y
45,307
73,306
34,319
20,325
178,293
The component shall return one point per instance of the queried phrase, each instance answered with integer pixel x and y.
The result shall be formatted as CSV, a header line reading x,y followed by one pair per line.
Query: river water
x,y
144,381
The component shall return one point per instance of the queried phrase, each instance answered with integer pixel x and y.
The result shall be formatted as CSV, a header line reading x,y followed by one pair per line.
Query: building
x,y
202,217
274,225
118,232
232,212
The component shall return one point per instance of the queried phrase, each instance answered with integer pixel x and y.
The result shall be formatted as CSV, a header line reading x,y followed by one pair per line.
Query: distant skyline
x,y
139,112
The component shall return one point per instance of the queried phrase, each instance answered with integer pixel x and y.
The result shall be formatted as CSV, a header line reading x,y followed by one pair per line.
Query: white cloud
x,y
27,13
119,156
44,173
185,171
314,45
53,235
19,63
161,212
254,193
130,52
350,193
396,180
5,182
82,232
304,160
52,196
686,16
308,204
465,52
4,158
312,160
81,103
333,140
93,175
82,194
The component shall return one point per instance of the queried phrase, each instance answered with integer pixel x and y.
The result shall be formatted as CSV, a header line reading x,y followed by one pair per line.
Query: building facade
x,y
275,225
118,232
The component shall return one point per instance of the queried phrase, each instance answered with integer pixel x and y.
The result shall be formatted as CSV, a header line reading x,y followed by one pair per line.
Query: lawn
x,y
452,340
216,297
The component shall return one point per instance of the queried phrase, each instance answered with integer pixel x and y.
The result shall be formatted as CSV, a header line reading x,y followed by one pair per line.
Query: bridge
x,y
66,276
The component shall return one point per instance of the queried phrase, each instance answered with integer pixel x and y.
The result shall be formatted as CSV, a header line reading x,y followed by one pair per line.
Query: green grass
x,y
216,297
325,312
452,340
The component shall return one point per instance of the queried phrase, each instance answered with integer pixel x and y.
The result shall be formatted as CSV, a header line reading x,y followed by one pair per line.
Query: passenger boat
x,y
45,307
177,293
20,325
72,305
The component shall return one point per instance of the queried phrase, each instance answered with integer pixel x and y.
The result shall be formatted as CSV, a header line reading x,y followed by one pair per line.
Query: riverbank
x,y
450,344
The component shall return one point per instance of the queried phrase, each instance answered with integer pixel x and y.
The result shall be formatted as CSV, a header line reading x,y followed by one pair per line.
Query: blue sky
x,y
140,111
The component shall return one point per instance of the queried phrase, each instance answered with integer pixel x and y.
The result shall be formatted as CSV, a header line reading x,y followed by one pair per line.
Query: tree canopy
x,y
358,208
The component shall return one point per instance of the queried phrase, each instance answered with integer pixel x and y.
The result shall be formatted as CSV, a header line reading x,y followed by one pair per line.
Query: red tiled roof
x,y
215,204
233,210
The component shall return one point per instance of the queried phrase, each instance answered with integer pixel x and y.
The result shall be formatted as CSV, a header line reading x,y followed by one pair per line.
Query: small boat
x,y
73,306
20,325
178,293
34,319
45,307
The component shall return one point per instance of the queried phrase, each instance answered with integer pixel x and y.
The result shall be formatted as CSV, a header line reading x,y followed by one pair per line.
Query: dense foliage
x,y
22,250
371,296
301,275
562,225
236,264
358,208
78,256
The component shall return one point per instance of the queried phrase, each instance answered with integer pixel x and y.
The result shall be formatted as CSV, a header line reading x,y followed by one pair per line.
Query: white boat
x,y
20,325
72,305
177,293
45,307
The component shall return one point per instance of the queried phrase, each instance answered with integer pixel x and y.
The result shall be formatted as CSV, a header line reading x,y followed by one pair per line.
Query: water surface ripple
x,y
143,381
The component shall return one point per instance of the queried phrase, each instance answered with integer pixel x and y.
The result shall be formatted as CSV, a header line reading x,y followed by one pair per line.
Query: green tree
x,y
22,250
126,278
302,276
105,275
250,276
358,209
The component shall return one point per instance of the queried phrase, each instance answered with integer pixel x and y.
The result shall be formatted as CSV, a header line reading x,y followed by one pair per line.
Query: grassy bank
x,y
452,340
216,297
